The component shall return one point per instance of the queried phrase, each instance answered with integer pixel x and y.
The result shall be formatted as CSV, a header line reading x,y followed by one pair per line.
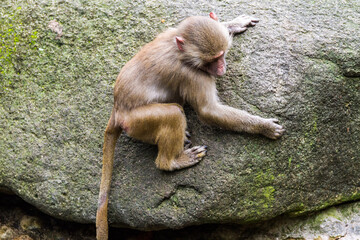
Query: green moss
x,y
341,198
349,210
268,193
310,135
16,39
331,212
264,178
290,159
262,195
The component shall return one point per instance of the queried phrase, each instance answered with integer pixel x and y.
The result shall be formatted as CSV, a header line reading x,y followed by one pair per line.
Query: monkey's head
x,y
203,43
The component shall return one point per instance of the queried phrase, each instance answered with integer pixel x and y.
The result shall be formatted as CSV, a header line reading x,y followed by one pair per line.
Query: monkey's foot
x,y
196,154
273,130
189,158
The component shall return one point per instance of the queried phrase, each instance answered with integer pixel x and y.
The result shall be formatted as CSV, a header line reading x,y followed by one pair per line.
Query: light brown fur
x,y
179,66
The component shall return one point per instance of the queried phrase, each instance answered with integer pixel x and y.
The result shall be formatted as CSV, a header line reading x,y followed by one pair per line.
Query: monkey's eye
x,y
218,57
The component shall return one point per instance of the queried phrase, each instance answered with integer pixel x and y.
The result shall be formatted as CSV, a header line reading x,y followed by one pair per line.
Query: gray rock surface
x,y
340,222
301,64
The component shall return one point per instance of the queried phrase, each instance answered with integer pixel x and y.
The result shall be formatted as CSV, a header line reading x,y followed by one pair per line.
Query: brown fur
x,y
153,85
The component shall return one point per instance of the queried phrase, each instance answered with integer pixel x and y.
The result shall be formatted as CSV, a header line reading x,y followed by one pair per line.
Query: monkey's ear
x,y
213,16
180,43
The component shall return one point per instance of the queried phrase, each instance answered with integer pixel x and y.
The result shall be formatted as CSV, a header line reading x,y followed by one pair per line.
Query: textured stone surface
x,y
339,222
301,64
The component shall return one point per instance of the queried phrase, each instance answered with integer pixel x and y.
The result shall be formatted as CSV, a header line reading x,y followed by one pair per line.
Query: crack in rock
x,y
179,195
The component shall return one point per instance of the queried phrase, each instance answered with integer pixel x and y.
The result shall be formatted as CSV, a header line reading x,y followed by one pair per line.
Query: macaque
x,y
179,66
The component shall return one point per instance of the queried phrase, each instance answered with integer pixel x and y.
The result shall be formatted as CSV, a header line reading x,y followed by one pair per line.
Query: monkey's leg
x,y
164,125
112,133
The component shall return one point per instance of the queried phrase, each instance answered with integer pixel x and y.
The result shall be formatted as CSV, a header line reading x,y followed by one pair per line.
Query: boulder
x,y
300,64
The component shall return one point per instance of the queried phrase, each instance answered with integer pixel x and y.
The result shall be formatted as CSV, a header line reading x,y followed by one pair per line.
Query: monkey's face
x,y
203,43
217,66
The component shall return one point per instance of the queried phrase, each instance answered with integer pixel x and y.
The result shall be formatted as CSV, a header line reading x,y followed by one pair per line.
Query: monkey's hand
x,y
240,24
272,129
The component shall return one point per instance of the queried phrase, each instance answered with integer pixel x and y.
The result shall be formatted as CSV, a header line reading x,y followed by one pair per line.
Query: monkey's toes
x,y
187,141
278,132
196,153
187,144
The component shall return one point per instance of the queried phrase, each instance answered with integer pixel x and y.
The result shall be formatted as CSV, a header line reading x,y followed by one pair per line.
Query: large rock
x,y
300,64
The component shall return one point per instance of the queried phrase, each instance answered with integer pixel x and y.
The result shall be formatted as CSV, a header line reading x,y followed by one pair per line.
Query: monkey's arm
x,y
205,102
240,24
241,121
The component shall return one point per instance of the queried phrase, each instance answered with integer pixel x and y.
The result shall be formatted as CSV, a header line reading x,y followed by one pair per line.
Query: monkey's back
x,y
153,75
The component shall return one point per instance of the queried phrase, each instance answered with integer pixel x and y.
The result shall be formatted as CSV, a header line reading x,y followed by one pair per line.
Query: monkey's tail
x,y
112,133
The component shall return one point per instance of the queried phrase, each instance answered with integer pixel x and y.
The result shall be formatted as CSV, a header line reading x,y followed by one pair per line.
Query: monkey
x,y
179,66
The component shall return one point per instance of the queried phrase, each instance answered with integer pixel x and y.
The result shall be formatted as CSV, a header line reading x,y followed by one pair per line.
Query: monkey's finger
x,y
249,21
275,120
280,129
254,19
187,134
279,133
237,29
251,24
198,149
